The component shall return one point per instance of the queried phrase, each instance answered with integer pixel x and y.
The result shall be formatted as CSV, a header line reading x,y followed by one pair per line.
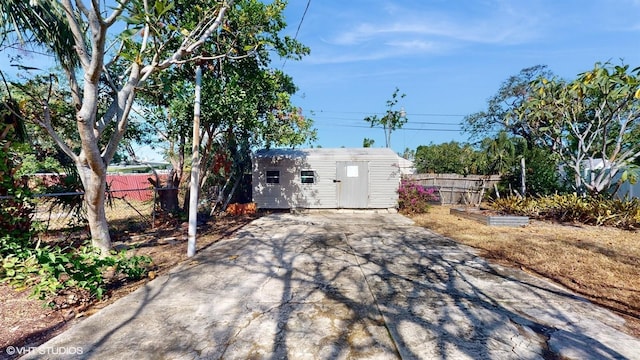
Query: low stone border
x,y
490,220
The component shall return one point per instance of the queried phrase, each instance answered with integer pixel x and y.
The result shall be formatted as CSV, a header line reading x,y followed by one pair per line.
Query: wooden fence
x,y
456,189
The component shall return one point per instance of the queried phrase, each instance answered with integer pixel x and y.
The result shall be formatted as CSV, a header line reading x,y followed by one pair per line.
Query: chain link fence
x,y
129,208
132,203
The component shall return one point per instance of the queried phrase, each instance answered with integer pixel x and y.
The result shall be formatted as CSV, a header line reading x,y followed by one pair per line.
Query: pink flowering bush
x,y
414,198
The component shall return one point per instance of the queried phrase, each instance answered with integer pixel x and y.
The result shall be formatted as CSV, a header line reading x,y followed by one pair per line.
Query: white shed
x,y
344,178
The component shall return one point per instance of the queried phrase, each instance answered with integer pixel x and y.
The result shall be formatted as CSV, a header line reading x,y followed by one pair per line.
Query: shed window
x,y
273,176
307,177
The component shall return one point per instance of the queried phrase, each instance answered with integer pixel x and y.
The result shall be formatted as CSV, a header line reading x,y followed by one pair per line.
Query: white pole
x,y
523,177
195,168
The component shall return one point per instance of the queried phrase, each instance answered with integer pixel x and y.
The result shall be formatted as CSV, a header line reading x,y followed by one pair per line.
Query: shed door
x,y
352,184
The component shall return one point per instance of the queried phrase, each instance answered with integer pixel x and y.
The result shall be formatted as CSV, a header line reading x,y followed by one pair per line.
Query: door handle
x,y
337,181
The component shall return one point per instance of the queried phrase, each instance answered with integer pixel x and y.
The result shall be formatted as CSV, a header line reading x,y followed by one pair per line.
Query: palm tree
x,y
40,23
500,152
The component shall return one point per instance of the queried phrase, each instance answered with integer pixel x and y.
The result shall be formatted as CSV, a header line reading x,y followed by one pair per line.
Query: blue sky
x,y
447,56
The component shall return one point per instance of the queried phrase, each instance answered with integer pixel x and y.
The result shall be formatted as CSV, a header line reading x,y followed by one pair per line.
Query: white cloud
x,y
420,31
477,31
414,45
349,57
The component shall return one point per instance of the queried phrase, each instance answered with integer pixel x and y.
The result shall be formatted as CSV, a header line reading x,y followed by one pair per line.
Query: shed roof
x,y
325,152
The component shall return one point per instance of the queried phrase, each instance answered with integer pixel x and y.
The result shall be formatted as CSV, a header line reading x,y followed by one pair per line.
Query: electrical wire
x,y
382,113
411,122
295,37
403,128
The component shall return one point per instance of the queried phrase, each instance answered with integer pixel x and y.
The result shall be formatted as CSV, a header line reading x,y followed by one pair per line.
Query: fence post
x,y
153,207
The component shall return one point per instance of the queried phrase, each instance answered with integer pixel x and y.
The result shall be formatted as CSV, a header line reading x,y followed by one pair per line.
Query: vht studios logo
x,y
23,350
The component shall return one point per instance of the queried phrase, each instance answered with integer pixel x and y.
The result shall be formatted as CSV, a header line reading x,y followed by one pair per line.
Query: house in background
x,y
407,167
344,178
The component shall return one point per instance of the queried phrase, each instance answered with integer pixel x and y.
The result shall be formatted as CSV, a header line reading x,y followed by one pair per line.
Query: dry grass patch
x,y
600,263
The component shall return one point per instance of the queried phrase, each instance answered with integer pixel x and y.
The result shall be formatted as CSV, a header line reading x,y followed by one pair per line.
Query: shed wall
x,y
383,178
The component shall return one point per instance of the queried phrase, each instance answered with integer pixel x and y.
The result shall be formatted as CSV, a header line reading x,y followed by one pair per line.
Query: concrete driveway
x,y
344,286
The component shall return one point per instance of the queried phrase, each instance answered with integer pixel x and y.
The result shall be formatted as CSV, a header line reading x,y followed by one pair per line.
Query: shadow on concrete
x,y
344,286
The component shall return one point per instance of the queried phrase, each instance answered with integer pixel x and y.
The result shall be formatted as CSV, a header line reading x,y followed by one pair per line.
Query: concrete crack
x,y
375,300
543,333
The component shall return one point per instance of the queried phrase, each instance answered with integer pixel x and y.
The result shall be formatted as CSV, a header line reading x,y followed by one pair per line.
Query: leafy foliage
x,y
591,120
31,21
501,114
414,198
448,158
500,153
48,270
541,173
592,210
16,209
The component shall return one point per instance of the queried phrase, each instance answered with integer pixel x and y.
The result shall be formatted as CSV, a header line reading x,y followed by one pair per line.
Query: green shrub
x,y
591,210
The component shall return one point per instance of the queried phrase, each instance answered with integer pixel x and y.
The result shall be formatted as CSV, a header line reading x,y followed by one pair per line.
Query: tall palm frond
x,y
41,22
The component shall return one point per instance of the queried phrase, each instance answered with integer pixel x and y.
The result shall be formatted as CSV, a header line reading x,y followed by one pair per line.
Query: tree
x,y
448,158
40,23
501,113
409,154
155,39
245,104
367,143
43,155
15,212
590,123
541,173
500,153
392,120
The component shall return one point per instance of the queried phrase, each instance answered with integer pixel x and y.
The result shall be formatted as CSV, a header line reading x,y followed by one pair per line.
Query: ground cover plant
x,y
24,321
50,270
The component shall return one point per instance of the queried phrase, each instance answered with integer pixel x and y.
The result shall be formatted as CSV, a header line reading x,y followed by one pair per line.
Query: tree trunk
x,y
169,197
167,194
94,199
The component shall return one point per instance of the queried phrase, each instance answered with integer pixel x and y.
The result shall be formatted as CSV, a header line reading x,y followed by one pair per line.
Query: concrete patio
x,y
345,286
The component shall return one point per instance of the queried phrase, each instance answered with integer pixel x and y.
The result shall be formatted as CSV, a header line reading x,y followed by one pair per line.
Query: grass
x,y
599,263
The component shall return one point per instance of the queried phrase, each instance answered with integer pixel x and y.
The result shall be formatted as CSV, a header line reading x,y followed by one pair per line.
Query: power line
x,y
412,129
295,37
411,122
382,113
302,19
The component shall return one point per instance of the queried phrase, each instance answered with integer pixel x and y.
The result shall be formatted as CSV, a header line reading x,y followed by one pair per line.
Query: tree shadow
x,y
345,286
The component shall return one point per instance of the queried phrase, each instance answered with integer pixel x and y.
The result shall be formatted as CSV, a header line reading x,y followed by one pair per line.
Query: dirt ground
x,y
24,321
